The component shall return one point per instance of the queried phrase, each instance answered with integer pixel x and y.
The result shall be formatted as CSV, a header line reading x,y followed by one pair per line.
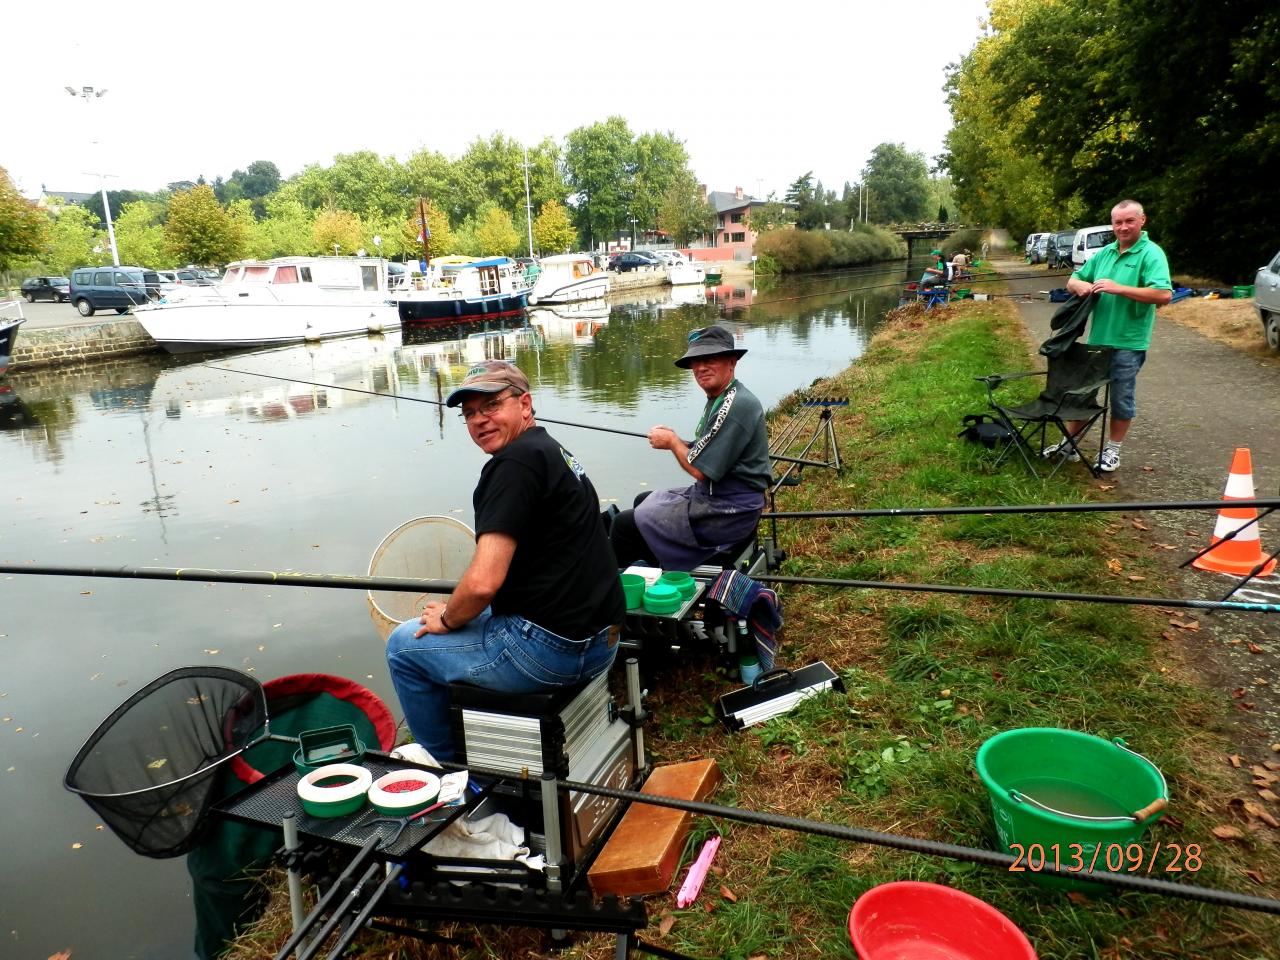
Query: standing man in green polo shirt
x,y
1132,276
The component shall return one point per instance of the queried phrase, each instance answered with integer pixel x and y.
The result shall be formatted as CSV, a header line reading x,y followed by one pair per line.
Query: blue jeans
x,y
494,651
1125,365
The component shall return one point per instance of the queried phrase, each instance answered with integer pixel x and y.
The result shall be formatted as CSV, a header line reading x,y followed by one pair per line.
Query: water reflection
x,y
170,462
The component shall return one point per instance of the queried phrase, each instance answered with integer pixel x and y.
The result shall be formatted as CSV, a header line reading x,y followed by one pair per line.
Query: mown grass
x,y
929,678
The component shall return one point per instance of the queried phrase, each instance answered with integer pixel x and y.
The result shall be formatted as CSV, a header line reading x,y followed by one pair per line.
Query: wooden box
x,y
641,856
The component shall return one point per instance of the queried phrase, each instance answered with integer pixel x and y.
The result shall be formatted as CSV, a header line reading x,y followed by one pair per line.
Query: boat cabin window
x,y
231,276
369,276
256,274
287,274
488,280
306,274
582,268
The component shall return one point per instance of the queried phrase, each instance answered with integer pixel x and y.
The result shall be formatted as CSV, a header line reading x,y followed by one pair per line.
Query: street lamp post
x,y
634,221
87,94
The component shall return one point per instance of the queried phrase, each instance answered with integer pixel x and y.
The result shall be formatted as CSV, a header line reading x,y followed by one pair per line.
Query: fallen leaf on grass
x,y
1078,898
1163,546
1262,773
1139,525
61,955
1275,748
1225,832
1254,648
728,894
1235,760
1256,876
1168,635
1269,796
1135,577
77,845
668,921
1271,765
1260,813
1114,566
1148,469
1106,486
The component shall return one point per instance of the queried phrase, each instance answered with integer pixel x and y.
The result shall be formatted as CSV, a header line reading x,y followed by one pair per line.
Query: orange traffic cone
x,y
1241,553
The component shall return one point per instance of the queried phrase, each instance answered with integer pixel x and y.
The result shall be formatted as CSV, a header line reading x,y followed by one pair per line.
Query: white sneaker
x,y
1109,461
1060,449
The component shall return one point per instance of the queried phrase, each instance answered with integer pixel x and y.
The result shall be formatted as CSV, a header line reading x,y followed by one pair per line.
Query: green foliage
x,y
1059,107
200,231
684,213
440,242
661,167
74,234
898,181
599,162
140,234
285,230
770,215
24,227
803,250
494,233
336,232
553,231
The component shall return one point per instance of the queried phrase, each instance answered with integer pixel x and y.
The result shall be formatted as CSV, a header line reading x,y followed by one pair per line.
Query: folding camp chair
x,y
1070,394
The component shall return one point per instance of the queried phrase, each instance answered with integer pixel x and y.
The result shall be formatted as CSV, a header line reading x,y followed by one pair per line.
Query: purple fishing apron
x,y
685,527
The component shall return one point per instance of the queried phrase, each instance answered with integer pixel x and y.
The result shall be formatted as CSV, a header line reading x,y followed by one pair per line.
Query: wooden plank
x,y
641,856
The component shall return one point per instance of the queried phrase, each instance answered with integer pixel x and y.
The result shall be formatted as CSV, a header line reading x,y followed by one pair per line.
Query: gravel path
x,y
1197,402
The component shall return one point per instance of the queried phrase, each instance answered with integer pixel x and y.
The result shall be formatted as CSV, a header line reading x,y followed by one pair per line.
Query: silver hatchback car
x,y
1266,299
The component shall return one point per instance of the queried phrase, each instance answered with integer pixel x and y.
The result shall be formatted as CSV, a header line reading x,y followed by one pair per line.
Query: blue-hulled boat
x,y
480,289
9,331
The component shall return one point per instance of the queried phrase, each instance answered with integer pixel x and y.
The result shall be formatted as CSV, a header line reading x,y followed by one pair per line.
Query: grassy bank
x,y
929,679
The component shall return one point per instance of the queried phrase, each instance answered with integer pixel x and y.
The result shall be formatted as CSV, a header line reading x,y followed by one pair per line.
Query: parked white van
x,y
1089,241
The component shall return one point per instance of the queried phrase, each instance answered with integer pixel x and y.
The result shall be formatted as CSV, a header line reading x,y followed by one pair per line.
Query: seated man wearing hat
x,y
728,460
534,610
939,273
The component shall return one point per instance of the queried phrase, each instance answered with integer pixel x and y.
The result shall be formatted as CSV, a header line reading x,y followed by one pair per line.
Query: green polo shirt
x,y
1118,321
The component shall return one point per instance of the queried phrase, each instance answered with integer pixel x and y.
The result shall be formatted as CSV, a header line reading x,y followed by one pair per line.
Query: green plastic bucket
x,y
1071,798
1243,292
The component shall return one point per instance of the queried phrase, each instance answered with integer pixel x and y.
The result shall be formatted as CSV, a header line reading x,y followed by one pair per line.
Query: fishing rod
x,y
288,578
1106,598
901,283
990,858
268,578
1267,502
438,403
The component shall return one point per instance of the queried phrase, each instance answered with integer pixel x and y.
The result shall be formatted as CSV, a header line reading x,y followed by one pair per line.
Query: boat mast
x,y
528,207
425,236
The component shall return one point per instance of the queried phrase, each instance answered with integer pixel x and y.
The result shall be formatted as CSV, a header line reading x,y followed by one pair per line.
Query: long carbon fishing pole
x,y
901,283
1130,600
271,578
437,403
1272,502
990,858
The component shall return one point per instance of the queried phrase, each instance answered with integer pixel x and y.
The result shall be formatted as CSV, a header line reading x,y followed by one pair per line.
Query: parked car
x,y
1040,250
194,276
1060,248
634,260
1266,300
1031,242
163,284
114,288
670,257
57,289
1089,241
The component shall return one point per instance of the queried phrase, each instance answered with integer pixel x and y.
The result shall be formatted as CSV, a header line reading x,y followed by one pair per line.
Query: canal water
x,y
169,462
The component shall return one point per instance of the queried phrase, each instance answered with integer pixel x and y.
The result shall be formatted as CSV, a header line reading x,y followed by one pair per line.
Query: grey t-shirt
x,y
732,440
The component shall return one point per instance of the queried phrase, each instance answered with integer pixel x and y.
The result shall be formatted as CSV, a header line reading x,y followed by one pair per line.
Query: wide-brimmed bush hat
x,y
710,342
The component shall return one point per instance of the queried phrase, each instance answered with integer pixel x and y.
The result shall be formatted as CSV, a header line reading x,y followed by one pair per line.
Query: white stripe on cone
x,y
1225,525
1239,486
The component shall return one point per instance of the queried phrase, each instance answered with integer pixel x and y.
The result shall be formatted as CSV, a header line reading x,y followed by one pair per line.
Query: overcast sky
x,y
760,92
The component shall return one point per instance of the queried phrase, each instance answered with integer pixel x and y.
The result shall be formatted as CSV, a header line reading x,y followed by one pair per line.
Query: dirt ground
x,y
1231,322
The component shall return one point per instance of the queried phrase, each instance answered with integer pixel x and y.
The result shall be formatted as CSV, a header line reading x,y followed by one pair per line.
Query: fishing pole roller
x,y
401,792
334,790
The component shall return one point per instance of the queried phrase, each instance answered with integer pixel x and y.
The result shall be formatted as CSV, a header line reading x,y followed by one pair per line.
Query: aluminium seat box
x,y
575,733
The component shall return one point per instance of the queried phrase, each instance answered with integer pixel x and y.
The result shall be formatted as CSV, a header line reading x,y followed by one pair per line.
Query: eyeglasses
x,y
486,409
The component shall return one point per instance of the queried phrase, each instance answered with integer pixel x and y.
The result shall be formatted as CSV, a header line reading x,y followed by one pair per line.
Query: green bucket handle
x,y
1138,816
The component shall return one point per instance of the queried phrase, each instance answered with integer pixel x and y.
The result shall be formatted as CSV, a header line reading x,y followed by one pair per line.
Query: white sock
x,y
1114,445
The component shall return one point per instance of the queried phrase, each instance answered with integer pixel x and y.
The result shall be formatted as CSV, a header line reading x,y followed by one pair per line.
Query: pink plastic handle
x,y
692,885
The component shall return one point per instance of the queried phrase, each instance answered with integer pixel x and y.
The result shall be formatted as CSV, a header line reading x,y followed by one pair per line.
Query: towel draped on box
x,y
745,598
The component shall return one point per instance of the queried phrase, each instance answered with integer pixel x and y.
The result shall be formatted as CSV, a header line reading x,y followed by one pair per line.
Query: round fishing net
x,y
150,768
425,548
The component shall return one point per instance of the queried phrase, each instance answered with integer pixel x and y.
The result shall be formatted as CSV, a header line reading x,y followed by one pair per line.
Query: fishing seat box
x,y
576,733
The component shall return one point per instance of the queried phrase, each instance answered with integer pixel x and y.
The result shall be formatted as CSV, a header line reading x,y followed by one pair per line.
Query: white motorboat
x,y
568,277
682,272
279,301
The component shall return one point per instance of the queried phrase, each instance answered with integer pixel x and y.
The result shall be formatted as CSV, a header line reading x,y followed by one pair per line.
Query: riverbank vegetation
x,y
794,250
1058,113
928,679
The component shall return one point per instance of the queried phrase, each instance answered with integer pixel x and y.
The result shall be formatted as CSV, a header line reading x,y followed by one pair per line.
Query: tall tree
x,y
494,232
336,232
72,241
200,231
441,241
140,235
553,231
661,162
599,165
24,227
899,184
685,214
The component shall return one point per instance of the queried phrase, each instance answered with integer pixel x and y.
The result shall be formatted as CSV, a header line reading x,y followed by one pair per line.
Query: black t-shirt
x,y
563,576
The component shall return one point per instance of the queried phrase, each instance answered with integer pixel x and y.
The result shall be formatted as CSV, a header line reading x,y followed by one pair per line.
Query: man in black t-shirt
x,y
534,610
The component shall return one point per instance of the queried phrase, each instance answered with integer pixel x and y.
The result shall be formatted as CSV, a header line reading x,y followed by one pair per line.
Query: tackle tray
x,y
266,802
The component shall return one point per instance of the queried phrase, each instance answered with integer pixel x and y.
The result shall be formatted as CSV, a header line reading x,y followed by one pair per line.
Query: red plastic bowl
x,y
909,920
